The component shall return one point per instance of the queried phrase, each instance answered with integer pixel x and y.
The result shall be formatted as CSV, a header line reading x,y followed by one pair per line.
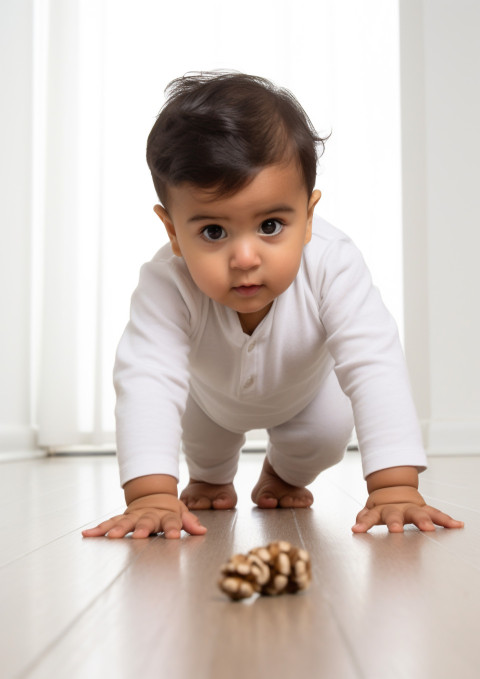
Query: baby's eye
x,y
271,227
213,232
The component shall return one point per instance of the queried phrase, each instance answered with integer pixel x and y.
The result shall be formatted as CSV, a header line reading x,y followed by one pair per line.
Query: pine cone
x,y
271,570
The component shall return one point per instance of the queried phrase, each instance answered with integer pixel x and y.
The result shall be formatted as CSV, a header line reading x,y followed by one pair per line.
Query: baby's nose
x,y
244,255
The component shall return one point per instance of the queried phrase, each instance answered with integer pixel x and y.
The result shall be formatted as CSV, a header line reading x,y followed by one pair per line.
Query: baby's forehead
x,y
277,187
274,175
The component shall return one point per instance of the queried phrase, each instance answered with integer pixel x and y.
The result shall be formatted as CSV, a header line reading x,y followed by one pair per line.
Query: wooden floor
x,y
380,606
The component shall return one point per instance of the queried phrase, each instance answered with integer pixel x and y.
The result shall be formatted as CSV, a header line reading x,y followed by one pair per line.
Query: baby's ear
x,y
169,227
314,198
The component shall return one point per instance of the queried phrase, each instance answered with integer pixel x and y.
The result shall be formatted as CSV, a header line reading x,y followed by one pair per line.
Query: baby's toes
x,y
196,501
297,501
266,501
193,499
223,501
199,495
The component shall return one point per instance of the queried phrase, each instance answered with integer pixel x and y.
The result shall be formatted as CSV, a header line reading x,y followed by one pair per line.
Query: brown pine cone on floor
x,y
271,570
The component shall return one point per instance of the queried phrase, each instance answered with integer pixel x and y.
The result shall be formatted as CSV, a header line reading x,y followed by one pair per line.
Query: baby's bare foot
x,y
201,495
271,491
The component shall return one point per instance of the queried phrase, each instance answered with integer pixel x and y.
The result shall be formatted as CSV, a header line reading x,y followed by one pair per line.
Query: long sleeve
x,y
369,362
151,374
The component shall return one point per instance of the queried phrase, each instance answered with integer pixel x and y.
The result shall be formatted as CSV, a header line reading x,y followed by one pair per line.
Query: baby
x,y
256,315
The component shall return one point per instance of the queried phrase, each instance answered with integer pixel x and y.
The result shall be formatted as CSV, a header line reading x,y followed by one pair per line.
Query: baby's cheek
x,y
210,281
285,272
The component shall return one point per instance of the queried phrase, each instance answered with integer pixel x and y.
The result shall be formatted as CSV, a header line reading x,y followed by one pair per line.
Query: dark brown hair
x,y
218,130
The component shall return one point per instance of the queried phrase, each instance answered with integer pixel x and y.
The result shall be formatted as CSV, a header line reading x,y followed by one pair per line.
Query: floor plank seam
x,y
52,541
344,637
50,647
451,552
340,488
435,500
119,509
299,530
444,484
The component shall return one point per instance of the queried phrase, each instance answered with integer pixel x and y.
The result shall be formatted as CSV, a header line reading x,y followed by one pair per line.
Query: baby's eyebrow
x,y
263,213
276,208
202,218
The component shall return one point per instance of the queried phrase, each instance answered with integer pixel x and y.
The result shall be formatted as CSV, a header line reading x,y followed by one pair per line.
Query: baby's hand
x,y
159,513
398,506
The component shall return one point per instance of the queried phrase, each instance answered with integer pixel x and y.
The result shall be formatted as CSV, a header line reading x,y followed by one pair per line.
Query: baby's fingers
x,y
147,524
366,519
104,527
396,516
191,523
442,519
125,524
158,521
172,524
393,516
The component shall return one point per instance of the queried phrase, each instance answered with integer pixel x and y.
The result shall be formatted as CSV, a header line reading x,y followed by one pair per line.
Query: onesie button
x,y
249,382
251,347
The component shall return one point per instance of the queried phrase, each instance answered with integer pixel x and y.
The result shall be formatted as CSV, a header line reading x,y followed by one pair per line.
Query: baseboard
x,y
17,438
443,437
15,456
440,438
256,441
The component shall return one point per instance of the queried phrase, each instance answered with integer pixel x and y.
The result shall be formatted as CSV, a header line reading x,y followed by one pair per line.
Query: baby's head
x,y
233,160
216,131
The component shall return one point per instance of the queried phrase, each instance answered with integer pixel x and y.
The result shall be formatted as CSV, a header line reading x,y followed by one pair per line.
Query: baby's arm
x,y
394,500
152,507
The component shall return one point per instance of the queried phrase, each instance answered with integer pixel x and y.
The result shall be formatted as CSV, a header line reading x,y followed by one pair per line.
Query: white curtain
x,y
101,68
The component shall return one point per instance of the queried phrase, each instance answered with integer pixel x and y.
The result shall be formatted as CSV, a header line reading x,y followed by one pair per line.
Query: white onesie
x,y
330,326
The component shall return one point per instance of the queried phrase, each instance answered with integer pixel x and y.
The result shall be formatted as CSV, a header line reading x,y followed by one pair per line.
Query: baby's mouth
x,y
247,290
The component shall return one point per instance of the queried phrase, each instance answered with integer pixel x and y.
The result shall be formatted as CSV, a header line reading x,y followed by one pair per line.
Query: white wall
x,y
15,235
440,54
441,150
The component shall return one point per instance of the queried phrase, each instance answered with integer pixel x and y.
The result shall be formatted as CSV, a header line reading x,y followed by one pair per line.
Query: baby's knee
x,y
299,460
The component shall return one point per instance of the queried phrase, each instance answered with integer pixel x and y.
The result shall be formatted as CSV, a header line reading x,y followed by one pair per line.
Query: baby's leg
x,y
212,457
300,449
